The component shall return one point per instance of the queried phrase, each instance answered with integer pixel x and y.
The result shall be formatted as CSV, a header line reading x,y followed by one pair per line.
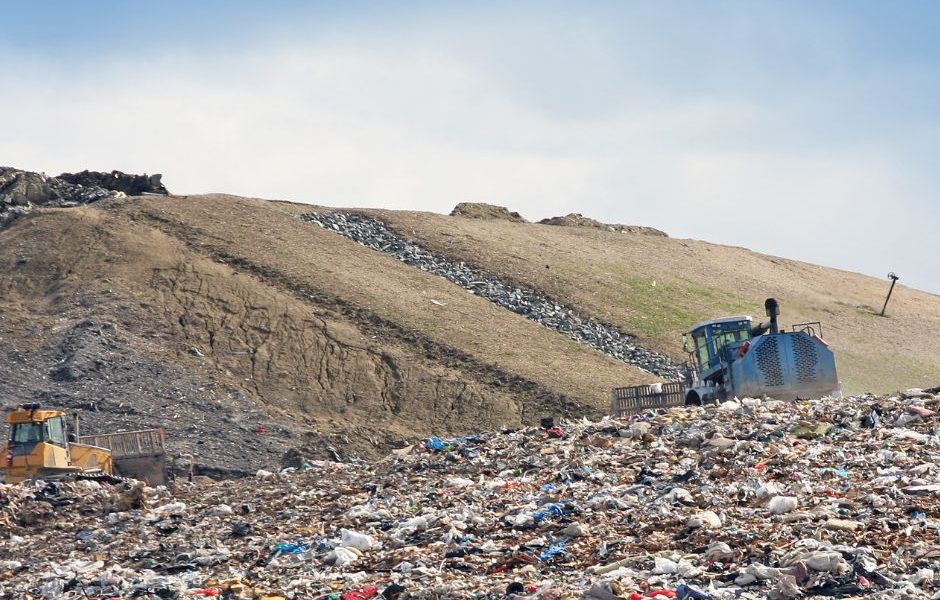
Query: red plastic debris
x,y
260,429
920,411
360,594
657,593
555,432
206,592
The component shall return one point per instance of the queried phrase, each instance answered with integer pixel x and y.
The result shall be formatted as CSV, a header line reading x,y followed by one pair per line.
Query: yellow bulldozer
x,y
39,446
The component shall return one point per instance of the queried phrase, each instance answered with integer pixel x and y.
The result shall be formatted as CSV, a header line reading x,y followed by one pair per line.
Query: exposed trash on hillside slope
x,y
21,191
579,220
521,300
489,212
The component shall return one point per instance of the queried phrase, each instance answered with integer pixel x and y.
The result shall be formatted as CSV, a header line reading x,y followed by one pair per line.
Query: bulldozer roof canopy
x,y
734,319
19,415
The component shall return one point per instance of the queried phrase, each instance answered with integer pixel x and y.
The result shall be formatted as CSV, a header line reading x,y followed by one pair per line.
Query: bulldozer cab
x,y
716,340
39,446
51,431
37,426
37,443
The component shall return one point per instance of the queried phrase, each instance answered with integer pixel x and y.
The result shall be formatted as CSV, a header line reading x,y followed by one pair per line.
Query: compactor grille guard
x,y
628,401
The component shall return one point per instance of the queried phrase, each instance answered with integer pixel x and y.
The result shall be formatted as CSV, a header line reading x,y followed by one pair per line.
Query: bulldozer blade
x,y
626,401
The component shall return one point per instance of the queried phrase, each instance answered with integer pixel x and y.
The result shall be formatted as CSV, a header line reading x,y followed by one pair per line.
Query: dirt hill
x,y
655,287
246,331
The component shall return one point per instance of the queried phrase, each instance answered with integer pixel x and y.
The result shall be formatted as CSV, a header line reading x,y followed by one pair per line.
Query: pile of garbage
x,y
487,212
128,183
524,301
21,191
579,220
831,498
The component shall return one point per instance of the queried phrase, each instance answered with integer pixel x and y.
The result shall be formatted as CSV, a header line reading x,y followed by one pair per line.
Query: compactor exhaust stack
x,y
773,311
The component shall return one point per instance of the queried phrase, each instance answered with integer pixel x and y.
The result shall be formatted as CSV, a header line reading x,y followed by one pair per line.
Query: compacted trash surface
x,y
833,498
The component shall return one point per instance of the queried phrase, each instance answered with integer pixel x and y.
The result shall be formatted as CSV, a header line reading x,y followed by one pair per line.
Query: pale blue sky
x,y
801,129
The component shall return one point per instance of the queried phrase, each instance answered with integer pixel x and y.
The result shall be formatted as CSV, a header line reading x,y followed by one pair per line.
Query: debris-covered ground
x,y
21,191
757,499
579,220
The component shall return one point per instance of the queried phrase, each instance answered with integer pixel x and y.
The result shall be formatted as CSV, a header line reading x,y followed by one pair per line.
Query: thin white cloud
x,y
419,124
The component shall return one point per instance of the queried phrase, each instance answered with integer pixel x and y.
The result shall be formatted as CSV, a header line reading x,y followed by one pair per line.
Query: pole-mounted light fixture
x,y
894,279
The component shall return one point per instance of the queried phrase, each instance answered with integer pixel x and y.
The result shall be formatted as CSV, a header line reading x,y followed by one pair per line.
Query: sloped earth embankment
x,y
656,287
532,400
308,365
391,299
521,300
134,324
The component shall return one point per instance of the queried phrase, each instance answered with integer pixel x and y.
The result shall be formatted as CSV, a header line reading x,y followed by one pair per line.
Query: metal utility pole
x,y
894,279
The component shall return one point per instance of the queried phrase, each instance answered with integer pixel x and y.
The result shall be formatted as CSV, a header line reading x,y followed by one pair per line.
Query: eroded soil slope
x,y
200,316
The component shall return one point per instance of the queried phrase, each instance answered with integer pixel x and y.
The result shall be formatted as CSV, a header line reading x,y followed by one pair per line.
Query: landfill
x,y
831,498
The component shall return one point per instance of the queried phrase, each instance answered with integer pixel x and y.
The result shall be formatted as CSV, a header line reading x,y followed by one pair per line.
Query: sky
x,y
808,130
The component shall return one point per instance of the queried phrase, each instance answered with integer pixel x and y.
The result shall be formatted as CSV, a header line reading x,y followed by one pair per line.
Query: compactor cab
x,y
39,446
714,342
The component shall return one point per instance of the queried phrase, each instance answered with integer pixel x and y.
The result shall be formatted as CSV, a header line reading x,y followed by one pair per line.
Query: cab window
x,y
701,351
54,431
730,337
26,433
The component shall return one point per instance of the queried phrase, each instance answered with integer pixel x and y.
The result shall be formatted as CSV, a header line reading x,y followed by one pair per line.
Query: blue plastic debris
x,y
838,472
463,445
687,592
469,452
552,551
548,511
289,548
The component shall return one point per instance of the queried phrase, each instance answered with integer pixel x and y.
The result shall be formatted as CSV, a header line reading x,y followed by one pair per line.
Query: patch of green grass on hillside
x,y
855,368
667,309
